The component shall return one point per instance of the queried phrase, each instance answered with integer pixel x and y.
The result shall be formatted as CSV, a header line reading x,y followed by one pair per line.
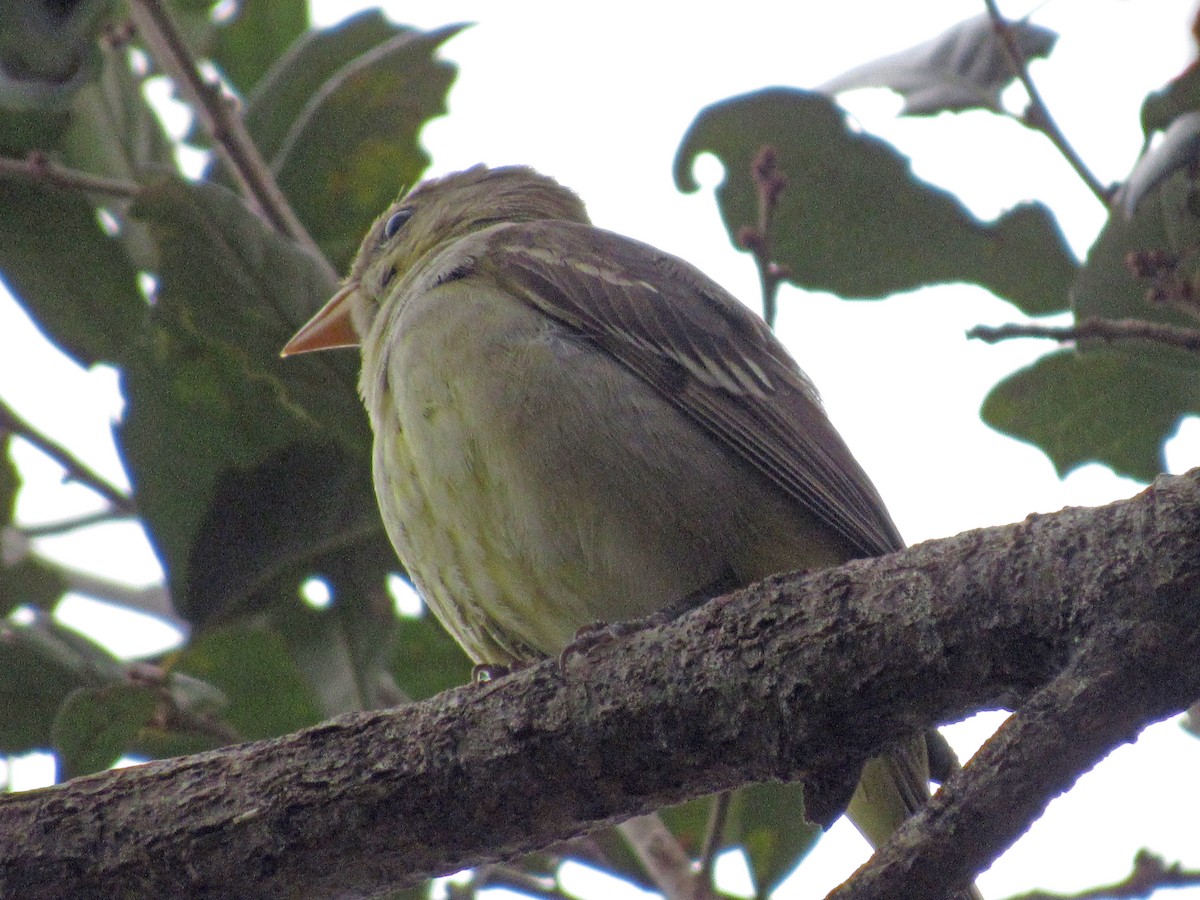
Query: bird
x,y
572,426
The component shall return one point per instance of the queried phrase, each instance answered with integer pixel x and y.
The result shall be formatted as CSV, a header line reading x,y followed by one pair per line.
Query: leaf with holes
x,y
853,219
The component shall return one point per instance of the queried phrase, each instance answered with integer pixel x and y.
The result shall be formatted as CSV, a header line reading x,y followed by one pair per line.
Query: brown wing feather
x,y
706,353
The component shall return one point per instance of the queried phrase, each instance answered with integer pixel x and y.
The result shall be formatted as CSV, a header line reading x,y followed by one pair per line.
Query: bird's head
x,y
420,223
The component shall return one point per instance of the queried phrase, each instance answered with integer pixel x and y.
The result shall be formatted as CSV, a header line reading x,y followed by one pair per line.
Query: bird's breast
x,y
532,485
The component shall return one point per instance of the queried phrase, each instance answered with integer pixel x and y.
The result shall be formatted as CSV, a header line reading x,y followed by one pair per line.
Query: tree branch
x,y
229,134
38,167
1107,330
1088,615
77,470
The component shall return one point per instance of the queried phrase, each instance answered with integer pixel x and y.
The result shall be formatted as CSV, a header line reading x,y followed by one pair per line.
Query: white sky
x,y
599,96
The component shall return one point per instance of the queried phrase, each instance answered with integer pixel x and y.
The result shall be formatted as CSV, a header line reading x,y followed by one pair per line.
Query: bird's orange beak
x,y
329,329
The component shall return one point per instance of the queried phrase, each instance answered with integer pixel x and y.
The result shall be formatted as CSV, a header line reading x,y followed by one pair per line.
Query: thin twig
x,y
219,119
50,529
1042,120
77,470
717,817
661,856
1149,874
1108,330
769,183
506,876
38,167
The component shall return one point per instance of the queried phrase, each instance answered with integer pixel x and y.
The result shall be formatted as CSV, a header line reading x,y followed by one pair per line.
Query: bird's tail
x,y
892,788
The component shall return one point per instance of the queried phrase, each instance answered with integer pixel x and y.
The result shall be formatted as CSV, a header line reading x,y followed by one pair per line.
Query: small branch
x,y
50,529
1041,118
77,470
715,831
769,182
1150,872
1107,330
38,167
661,856
1064,729
220,120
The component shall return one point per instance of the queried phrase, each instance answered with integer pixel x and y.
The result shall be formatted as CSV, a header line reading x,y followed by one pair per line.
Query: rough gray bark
x,y
1087,620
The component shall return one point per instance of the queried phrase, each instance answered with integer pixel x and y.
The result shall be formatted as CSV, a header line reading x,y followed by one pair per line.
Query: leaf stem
x,y
1041,118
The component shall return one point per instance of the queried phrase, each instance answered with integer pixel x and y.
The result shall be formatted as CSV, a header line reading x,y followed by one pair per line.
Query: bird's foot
x,y
599,633
482,673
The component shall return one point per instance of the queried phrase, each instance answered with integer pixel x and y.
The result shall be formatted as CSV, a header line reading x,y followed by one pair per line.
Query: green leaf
x,y
1103,406
249,44
213,412
284,91
345,651
767,821
1116,405
40,664
266,692
95,725
30,582
354,145
75,281
247,547
1181,95
10,480
107,129
47,51
31,690
854,220
24,579
965,67
113,130
1164,224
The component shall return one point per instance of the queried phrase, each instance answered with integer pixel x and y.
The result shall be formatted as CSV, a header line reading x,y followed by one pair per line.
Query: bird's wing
x,y
708,355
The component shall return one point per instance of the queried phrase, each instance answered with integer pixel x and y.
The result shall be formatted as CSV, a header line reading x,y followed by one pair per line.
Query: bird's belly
x,y
532,485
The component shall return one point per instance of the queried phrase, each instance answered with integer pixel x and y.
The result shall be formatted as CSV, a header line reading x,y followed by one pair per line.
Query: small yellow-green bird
x,y
573,427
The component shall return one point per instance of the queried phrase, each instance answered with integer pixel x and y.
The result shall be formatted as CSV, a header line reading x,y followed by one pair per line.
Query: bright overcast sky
x,y
599,95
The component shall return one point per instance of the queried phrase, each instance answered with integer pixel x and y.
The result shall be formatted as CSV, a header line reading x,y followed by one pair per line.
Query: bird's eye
x,y
395,222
